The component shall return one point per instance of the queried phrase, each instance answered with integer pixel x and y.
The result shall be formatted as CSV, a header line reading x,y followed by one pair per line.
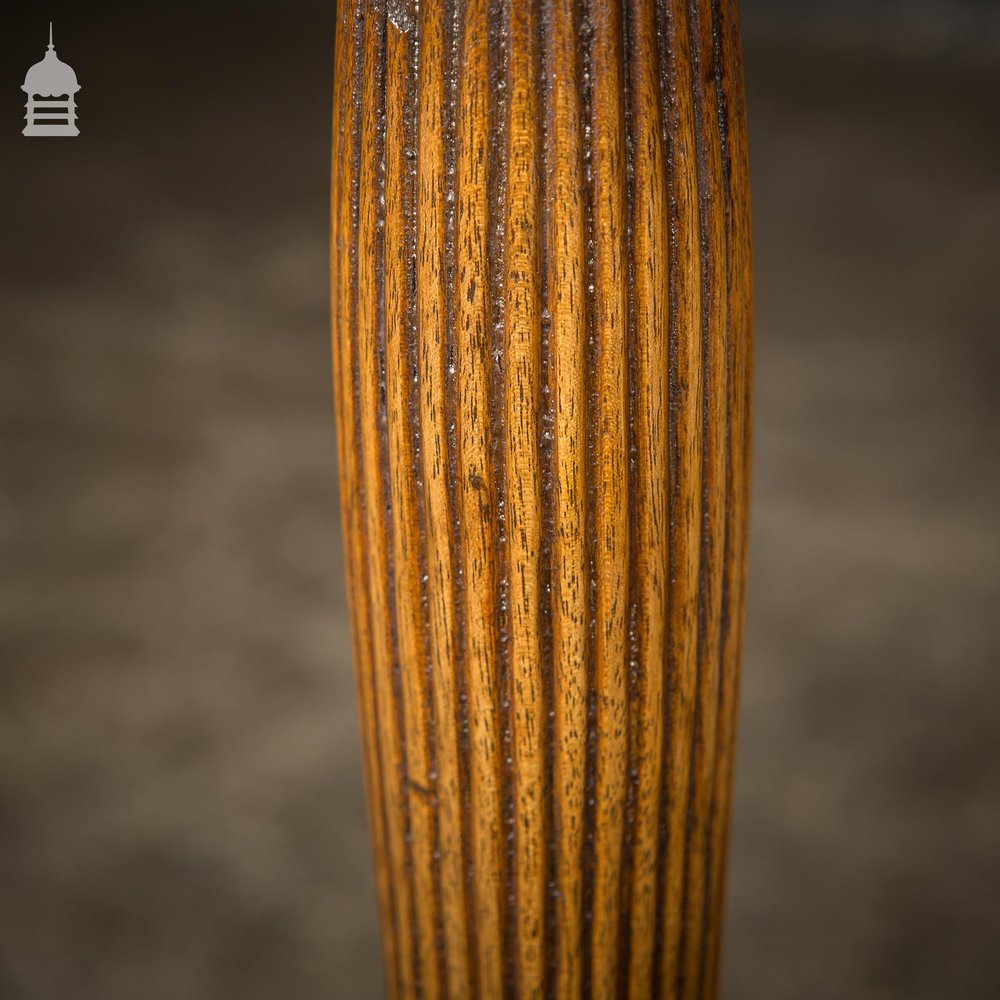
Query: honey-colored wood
x,y
541,352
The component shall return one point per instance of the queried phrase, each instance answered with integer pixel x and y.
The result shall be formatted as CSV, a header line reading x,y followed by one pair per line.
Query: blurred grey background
x,y
181,811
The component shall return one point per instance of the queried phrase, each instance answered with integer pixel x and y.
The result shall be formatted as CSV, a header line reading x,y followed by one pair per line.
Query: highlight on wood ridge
x,y
540,283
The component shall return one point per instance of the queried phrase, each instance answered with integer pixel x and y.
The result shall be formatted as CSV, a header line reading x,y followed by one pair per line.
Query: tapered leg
x,y
541,352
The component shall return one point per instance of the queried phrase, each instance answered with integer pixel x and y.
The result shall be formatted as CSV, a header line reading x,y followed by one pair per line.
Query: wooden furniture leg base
x,y
541,342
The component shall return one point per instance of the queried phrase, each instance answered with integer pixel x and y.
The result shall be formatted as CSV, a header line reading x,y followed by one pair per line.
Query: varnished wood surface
x,y
541,347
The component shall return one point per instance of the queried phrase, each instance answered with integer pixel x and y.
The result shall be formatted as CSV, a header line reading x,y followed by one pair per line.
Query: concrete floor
x,y
181,813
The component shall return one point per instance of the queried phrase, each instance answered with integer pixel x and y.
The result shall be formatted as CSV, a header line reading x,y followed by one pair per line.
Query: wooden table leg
x,y
541,341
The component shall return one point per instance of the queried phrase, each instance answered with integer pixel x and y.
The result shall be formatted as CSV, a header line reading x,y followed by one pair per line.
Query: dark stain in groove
x,y
547,470
357,43
592,403
380,70
505,675
498,31
670,126
631,647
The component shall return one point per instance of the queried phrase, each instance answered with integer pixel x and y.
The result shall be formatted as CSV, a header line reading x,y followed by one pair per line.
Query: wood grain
x,y
541,356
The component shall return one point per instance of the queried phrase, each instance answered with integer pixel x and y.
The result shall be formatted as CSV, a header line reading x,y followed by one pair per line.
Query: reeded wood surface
x,y
541,284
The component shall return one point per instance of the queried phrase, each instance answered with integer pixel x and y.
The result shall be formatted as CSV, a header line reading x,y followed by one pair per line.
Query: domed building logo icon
x,y
51,87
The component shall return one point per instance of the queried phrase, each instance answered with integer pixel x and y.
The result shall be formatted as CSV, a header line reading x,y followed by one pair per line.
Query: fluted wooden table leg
x,y
541,342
